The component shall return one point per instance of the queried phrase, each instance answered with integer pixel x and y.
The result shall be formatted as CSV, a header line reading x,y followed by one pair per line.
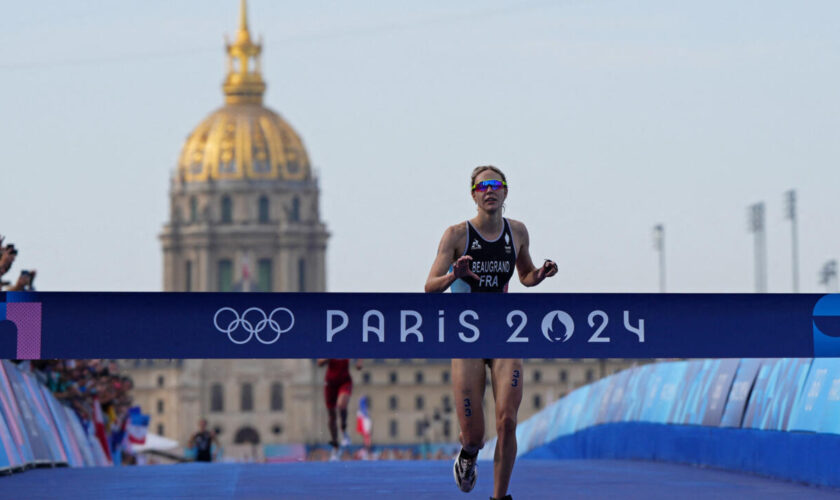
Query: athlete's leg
x,y
468,380
343,400
330,398
507,378
341,404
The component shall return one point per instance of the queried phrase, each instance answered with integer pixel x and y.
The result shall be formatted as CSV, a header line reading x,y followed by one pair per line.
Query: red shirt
x,y
338,369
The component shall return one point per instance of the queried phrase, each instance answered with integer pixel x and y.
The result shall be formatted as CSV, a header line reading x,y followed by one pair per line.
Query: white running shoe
x,y
465,472
334,457
345,439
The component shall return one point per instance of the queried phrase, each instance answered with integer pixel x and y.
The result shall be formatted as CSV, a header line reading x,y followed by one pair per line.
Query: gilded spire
x,y
244,83
243,37
243,15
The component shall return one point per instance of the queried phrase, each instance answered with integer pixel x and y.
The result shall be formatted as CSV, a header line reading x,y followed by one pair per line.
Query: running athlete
x,y
478,256
338,385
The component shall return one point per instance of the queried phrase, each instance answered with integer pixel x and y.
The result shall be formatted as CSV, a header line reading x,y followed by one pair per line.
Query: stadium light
x,y
756,226
659,245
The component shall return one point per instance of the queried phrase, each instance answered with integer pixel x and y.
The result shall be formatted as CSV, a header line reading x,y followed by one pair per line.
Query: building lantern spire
x,y
244,83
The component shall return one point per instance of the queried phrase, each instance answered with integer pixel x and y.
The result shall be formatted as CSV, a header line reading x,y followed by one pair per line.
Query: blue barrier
x,y
68,441
14,418
674,411
80,435
398,325
42,452
44,420
809,458
11,457
37,430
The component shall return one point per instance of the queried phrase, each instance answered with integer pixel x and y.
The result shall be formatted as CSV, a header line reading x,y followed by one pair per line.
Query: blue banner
x,y
715,400
830,420
399,325
637,388
784,385
739,394
761,395
690,381
695,393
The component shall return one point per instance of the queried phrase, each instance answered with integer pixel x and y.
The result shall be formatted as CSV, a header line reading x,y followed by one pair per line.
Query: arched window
x,y
247,397
217,398
227,209
247,435
263,210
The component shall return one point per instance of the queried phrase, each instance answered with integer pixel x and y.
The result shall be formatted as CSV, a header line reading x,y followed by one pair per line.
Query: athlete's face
x,y
489,200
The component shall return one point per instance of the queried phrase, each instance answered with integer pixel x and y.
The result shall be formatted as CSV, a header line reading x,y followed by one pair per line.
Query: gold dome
x,y
243,139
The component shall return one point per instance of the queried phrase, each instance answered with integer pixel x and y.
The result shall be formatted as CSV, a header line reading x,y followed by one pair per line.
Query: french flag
x,y
99,427
137,427
364,424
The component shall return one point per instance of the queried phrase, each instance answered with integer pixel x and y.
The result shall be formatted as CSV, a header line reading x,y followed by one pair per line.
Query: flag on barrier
x,y
99,427
364,424
138,426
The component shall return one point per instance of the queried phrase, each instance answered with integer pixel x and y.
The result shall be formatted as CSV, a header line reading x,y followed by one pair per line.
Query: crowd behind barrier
x,y
63,413
775,417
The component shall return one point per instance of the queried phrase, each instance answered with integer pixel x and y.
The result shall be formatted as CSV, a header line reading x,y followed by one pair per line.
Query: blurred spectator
x,y
8,254
203,441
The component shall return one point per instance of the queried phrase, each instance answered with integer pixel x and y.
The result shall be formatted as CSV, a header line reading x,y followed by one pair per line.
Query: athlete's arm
x,y
529,274
439,276
323,361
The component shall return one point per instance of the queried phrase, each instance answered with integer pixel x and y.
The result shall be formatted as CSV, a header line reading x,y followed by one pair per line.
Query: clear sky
x,y
608,117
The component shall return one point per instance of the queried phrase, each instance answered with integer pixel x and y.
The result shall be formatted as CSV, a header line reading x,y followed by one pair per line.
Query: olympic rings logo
x,y
253,325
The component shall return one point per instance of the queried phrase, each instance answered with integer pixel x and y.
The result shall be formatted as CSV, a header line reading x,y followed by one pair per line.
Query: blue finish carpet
x,y
406,480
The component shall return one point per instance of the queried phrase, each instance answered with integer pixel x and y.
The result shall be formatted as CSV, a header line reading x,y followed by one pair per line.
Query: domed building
x,y
243,217
244,200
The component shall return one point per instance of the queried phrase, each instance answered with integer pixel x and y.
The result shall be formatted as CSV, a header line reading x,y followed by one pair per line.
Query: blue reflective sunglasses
x,y
492,185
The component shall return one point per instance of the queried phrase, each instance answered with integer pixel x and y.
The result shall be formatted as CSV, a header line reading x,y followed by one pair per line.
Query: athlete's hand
x,y
461,268
548,269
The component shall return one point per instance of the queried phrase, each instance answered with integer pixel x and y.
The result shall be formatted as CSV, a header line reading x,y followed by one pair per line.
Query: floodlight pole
x,y
659,244
790,198
756,221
